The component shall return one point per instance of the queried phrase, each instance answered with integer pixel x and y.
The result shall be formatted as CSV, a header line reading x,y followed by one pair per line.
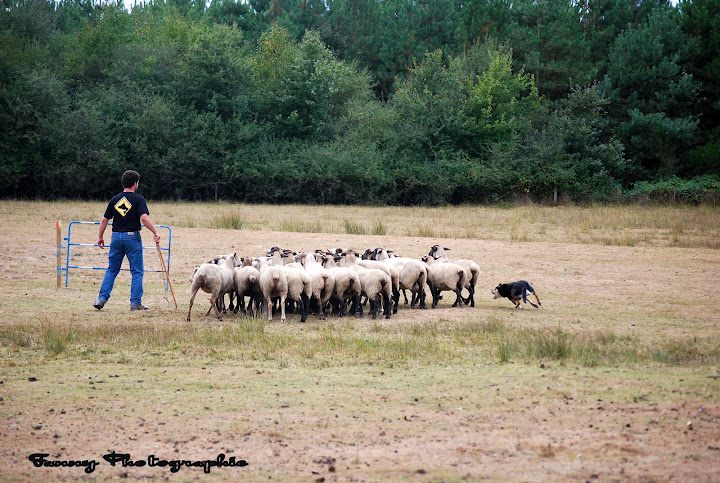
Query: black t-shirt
x,y
125,209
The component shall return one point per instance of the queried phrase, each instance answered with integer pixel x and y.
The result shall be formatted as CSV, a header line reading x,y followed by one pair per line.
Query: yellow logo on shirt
x,y
123,206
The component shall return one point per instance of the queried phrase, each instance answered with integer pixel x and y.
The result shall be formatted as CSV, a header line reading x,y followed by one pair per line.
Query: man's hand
x,y
101,233
156,237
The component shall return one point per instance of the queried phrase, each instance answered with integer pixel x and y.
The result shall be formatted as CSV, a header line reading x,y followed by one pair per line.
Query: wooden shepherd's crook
x,y
165,270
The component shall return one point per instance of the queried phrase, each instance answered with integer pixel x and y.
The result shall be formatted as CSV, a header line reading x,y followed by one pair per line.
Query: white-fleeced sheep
x,y
374,283
445,276
347,283
273,283
215,279
247,283
299,283
390,270
412,275
472,270
323,281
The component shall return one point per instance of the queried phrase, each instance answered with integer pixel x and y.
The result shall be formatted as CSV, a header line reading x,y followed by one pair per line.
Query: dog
x,y
516,291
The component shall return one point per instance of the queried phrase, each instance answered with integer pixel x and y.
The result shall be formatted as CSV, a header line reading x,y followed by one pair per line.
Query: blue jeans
x,y
130,246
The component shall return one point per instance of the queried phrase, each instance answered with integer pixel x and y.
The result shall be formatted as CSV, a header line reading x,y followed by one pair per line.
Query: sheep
x,y
472,270
374,284
216,280
390,270
347,283
222,307
445,276
247,282
299,283
323,281
273,283
288,256
412,275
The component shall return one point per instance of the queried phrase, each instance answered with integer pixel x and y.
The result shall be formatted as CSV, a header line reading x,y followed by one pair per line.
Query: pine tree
x,y
701,21
651,95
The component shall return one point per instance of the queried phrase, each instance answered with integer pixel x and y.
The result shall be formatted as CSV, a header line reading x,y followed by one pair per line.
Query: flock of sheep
x,y
334,280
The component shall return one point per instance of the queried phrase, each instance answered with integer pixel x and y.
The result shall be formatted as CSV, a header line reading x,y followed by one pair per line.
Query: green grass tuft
x,y
227,221
57,338
354,228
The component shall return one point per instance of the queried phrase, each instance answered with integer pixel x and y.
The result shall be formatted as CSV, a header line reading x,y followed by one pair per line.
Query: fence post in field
x,y
59,252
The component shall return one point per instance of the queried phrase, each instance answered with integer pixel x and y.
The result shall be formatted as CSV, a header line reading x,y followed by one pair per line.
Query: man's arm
x,y
103,225
148,224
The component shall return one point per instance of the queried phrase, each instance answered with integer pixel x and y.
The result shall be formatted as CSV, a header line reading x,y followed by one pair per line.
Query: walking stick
x,y
165,271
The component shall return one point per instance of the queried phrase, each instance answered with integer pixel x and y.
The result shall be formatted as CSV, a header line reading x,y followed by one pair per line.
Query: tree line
x,y
362,101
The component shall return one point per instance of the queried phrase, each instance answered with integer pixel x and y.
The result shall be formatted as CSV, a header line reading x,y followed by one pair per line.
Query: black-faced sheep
x,y
347,283
247,283
412,275
215,279
472,270
273,283
299,283
323,281
445,276
375,284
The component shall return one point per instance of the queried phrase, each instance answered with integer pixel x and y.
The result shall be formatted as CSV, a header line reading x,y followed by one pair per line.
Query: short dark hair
x,y
129,178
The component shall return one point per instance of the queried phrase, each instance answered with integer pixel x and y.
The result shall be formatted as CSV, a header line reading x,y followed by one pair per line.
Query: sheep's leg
x,y
192,301
435,294
240,303
386,301
250,306
213,304
356,306
322,308
436,298
240,307
268,307
341,306
470,299
373,307
396,299
459,299
283,295
405,295
231,306
305,303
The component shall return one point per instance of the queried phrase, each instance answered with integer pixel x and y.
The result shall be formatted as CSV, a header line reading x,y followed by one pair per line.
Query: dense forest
x,y
362,101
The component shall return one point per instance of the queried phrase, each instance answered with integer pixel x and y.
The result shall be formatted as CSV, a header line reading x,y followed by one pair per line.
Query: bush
x,y
696,190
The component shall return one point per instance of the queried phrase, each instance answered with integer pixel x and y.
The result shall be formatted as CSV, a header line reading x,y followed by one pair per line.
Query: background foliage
x,y
348,101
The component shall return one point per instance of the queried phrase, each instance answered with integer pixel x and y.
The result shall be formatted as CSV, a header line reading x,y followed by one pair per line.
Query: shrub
x,y
673,189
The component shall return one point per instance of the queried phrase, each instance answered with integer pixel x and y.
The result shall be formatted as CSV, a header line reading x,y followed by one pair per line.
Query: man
x,y
127,210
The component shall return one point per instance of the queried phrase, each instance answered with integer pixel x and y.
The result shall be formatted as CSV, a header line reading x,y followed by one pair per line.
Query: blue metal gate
x,y
69,244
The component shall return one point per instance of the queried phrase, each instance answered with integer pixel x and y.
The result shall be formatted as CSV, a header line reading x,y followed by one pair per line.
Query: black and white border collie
x,y
516,291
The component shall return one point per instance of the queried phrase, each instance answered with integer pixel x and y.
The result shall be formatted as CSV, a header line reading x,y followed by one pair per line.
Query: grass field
x,y
614,379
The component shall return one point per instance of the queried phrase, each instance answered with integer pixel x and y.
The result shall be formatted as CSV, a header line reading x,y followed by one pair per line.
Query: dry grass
x,y
622,354
659,226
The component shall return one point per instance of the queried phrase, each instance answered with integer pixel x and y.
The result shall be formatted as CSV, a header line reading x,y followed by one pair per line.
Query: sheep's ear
x,y
446,248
